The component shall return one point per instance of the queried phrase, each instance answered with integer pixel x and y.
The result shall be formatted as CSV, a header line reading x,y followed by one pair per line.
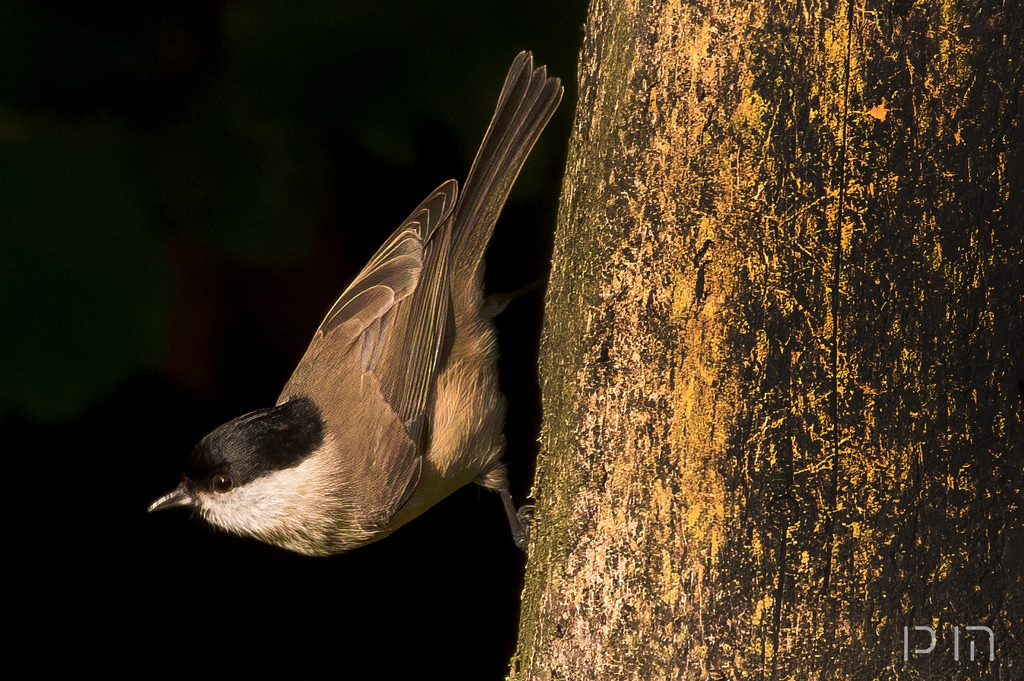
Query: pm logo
x,y
956,641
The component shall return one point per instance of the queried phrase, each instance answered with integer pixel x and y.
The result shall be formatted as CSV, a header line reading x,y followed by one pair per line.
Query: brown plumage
x,y
395,403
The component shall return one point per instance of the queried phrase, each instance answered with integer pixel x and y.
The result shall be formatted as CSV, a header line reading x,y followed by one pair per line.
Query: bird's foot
x,y
524,518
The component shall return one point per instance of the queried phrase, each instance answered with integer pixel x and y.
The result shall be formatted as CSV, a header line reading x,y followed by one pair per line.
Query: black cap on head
x,y
257,444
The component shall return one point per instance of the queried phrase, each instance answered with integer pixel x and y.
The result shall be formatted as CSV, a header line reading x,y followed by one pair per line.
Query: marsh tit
x,y
395,404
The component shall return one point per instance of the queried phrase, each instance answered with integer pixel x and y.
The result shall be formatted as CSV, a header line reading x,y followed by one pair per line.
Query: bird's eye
x,y
221,483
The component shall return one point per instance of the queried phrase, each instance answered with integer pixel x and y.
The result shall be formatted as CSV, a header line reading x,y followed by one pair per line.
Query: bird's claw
x,y
525,517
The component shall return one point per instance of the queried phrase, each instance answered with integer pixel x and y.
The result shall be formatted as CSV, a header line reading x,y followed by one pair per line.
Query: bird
x,y
395,404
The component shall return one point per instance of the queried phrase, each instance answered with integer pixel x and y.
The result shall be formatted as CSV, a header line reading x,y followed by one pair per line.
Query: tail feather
x,y
528,99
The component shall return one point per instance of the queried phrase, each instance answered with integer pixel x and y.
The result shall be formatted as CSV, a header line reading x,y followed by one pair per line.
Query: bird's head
x,y
257,474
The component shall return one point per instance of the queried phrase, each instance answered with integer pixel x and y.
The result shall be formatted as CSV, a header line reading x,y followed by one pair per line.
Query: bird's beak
x,y
179,496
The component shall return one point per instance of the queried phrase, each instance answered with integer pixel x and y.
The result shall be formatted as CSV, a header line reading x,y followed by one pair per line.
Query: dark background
x,y
185,188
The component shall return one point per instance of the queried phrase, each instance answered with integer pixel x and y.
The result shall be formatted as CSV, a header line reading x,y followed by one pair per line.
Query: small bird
x,y
395,404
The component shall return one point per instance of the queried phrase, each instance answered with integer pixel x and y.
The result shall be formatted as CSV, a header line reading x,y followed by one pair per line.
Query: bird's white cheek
x,y
275,505
258,508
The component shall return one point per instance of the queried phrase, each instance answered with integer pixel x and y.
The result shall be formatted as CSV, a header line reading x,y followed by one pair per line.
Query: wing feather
x,y
397,309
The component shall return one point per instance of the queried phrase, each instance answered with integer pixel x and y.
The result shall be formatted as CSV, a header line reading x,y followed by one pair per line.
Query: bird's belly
x,y
466,436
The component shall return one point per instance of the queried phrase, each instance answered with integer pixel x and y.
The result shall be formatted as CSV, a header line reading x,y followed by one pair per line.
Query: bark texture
x,y
782,359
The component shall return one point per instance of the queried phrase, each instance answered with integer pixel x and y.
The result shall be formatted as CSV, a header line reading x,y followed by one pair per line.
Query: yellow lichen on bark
x,y
778,364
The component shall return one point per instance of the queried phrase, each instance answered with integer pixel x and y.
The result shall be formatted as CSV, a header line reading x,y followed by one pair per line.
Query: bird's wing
x,y
395,318
379,348
393,272
400,306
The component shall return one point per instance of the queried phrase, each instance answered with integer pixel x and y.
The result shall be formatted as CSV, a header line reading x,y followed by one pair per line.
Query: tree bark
x,y
782,360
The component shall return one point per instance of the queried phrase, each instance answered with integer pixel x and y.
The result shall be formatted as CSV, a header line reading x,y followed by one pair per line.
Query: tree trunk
x,y
782,360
